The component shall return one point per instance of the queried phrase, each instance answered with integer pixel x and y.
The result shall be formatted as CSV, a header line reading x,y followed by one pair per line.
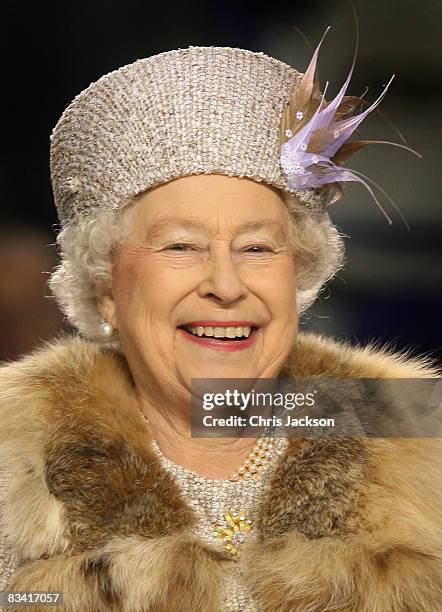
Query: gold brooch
x,y
233,530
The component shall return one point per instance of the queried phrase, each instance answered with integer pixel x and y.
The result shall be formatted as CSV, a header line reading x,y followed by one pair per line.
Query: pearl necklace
x,y
256,460
254,464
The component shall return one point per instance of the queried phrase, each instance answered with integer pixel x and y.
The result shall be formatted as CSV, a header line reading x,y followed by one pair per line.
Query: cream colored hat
x,y
188,111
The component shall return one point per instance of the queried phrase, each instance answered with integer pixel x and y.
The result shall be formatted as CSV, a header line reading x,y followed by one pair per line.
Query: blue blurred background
x,y
390,289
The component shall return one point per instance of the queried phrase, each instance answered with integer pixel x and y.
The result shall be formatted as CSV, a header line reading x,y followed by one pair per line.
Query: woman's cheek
x,y
136,273
276,284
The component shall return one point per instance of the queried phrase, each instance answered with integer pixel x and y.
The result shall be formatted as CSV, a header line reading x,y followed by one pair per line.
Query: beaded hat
x,y
205,110
187,111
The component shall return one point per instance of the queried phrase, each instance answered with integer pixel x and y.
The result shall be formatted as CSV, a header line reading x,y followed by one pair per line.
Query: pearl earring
x,y
106,329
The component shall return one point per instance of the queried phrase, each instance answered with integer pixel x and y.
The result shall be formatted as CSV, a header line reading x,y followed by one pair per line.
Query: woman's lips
x,y
221,345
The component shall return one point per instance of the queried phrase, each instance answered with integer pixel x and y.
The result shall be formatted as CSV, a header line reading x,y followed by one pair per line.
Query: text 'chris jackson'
x,y
260,421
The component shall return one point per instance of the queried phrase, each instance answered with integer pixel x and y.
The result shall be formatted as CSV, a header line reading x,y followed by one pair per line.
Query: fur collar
x,y
349,525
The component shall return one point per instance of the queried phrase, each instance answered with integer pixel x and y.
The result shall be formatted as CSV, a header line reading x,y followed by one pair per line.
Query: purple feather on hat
x,y
314,134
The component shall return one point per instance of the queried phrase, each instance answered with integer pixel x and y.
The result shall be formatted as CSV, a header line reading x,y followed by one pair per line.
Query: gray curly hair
x,y
86,248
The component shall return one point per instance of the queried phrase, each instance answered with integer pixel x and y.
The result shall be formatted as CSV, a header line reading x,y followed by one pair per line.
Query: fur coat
x,y
350,525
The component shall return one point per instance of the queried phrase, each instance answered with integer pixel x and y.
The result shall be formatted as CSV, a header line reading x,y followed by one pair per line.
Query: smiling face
x,y
205,284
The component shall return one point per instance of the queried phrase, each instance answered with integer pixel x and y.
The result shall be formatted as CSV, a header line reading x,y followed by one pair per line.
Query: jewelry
x,y
226,508
232,532
256,460
106,329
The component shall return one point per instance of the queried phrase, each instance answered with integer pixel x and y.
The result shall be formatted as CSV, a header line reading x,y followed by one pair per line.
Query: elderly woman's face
x,y
205,285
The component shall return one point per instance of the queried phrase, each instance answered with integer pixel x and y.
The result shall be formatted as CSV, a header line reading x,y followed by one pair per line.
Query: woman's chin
x,y
194,370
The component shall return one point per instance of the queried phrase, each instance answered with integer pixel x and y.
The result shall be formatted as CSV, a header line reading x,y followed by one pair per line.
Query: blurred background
x,y
390,290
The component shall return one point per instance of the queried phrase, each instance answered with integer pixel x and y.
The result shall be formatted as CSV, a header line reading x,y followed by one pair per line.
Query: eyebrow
x,y
195,223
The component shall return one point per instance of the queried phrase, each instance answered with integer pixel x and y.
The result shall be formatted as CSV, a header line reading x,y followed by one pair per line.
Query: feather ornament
x,y
314,134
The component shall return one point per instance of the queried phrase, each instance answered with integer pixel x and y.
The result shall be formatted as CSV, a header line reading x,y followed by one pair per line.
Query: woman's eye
x,y
179,246
258,248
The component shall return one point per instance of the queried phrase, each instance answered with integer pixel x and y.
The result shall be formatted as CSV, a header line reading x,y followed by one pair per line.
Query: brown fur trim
x,y
342,575
128,575
94,460
315,489
100,465
389,556
89,510
318,355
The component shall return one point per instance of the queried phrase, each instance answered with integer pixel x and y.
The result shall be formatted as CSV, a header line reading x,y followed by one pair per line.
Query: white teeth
x,y
230,332
219,332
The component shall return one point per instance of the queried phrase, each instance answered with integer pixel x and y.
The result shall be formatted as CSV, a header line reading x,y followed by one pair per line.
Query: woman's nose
x,y
222,279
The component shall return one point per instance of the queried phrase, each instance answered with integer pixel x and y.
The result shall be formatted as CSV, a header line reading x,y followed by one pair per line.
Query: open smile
x,y
221,335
